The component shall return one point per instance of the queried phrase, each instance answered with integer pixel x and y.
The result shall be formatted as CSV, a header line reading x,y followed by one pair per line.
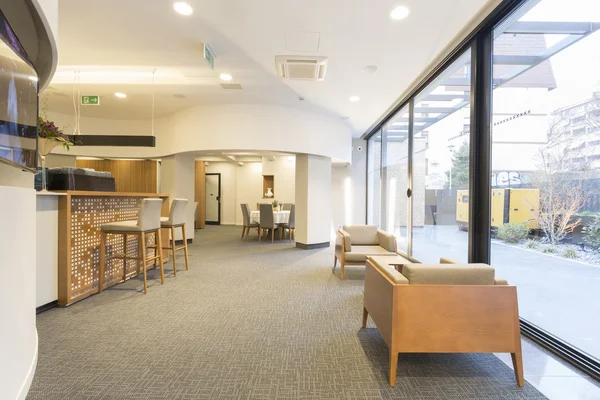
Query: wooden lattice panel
x,y
83,217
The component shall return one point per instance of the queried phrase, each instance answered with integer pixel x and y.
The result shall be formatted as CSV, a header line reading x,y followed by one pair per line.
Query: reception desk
x,y
80,215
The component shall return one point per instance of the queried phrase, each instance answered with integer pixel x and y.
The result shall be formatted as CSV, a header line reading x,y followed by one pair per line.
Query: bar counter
x,y
80,215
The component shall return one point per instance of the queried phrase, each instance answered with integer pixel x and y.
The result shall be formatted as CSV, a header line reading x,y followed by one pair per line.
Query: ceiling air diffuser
x,y
301,67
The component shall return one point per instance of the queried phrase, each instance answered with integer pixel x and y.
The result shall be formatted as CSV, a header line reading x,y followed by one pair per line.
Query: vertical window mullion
x,y
480,149
409,211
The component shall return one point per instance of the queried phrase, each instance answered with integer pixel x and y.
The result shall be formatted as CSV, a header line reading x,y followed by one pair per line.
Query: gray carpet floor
x,y
247,321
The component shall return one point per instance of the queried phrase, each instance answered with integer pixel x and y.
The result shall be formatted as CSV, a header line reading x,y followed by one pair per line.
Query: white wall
x,y
349,188
283,169
223,127
18,335
229,178
177,179
249,188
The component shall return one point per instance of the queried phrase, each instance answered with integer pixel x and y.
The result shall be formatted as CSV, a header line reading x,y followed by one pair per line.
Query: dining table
x,y
279,217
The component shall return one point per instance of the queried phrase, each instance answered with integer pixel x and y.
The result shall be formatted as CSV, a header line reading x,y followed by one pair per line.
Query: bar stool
x,y
176,219
148,222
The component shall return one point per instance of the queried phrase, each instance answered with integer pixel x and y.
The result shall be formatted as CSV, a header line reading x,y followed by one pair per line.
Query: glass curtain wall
x,y
374,179
441,165
546,165
395,177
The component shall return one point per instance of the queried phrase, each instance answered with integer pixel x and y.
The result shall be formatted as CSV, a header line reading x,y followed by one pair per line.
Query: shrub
x,y
569,253
532,244
513,232
549,249
591,234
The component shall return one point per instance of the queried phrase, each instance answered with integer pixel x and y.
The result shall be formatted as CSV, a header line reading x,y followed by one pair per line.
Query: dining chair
x,y
291,224
287,206
247,223
267,221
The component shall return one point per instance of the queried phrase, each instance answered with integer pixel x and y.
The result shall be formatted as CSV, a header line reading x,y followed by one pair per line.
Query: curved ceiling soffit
x,y
47,56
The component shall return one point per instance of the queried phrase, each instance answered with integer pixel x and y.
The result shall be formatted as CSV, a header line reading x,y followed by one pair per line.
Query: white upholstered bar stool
x,y
148,222
176,219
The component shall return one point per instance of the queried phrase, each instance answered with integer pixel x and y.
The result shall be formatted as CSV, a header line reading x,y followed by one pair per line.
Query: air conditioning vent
x,y
231,86
301,68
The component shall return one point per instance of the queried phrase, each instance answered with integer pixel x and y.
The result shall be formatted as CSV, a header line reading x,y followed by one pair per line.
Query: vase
x,y
45,146
269,192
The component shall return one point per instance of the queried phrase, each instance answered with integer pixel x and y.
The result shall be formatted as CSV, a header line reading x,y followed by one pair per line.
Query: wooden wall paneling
x,y
200,194
138,176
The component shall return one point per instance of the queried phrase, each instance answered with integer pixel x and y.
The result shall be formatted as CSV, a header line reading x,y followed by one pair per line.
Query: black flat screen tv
x,y
18,102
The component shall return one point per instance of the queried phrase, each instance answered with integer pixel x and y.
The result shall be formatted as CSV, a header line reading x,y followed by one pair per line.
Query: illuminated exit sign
x,y
209,56
90,100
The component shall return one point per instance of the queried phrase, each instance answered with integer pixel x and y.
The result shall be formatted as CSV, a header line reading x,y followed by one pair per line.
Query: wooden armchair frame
x,y
443,318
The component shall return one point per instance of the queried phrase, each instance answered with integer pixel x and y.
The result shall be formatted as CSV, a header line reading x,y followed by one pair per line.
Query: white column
x,y
177,180
313,201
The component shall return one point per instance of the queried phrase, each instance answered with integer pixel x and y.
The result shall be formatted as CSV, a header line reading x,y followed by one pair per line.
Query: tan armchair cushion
x,y
362,234
386,240
446,260
456,274
360,253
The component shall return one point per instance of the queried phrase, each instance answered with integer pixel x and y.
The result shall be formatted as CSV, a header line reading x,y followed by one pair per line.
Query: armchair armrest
x,y
387,240
342,243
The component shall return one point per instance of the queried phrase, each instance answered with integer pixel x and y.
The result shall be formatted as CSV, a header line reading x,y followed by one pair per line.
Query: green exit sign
x,y
90,100
209,56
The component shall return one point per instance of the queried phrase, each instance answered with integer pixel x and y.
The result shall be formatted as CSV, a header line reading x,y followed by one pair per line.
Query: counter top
x,y
82,193
47,193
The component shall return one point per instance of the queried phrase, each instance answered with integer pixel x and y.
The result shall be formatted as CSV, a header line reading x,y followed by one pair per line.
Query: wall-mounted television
x,y
18,102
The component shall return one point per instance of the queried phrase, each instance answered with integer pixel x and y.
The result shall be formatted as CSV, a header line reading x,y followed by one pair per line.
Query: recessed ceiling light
x,y
183,8
354,99
344,117
225,77
399,13
121,95
370,69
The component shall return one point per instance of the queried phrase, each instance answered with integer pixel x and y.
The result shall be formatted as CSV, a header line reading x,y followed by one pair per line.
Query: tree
x,y
459,169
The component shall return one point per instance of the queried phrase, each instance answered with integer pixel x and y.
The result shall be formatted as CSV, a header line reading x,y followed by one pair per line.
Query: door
x,y
213,199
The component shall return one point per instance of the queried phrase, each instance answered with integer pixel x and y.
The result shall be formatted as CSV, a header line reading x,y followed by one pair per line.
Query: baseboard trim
x,y
178,242
30,374
312,246
46,307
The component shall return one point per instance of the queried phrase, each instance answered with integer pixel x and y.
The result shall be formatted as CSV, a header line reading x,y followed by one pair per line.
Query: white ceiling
x,y
141,35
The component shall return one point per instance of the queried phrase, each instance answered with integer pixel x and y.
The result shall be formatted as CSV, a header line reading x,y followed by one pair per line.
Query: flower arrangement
x,y
48,130
275,204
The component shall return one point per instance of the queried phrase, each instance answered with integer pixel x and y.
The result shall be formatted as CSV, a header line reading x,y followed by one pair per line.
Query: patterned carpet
x,y
248,321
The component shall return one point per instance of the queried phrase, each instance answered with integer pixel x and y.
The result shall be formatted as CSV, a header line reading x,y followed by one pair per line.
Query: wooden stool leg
x,y
124,257
158,238
185,249
144,267
102,261
365,317
173,250
140,255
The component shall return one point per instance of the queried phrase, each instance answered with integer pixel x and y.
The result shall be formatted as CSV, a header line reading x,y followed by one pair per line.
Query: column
x,y
313,201
177,179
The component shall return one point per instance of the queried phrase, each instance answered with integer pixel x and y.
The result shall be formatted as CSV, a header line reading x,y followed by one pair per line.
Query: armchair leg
x,y
341,270
365,317
334,261
517,360
393,367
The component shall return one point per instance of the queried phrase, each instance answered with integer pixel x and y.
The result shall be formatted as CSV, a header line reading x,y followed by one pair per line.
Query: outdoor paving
x,y
557,294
